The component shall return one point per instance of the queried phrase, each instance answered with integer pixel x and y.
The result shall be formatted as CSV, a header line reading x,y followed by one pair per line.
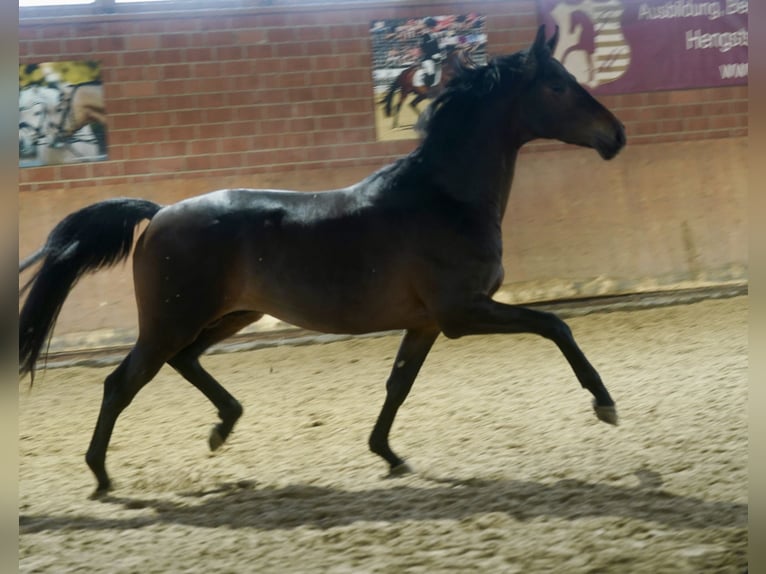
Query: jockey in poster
x,y
430,52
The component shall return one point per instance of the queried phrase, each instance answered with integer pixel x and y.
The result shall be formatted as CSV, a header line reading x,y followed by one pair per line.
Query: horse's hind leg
x,y
140,366
120,387
186,362
412,352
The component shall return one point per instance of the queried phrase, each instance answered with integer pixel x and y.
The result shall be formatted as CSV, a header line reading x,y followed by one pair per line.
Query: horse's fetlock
x,y
93,461
555,329
232,411
375,444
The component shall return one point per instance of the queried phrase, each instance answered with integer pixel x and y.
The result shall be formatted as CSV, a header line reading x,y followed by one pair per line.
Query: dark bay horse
x,y
415,246
405,85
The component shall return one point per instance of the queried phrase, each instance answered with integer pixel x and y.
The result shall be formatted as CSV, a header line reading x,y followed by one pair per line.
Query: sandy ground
x,y
514,473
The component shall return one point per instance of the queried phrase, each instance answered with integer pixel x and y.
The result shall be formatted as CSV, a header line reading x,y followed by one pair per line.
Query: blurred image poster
x,y
62,118
624,46
412,61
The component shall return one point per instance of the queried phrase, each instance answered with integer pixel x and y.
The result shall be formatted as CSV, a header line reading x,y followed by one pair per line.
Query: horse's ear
x,y
539,47
537,52
553,41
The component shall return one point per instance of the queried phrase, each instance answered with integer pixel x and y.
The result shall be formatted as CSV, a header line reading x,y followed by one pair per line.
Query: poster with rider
x,y
62,118
413,59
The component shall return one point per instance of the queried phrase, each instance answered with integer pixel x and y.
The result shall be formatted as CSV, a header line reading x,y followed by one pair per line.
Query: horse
x,y
36,103
415,246
84,106
52,122
406,84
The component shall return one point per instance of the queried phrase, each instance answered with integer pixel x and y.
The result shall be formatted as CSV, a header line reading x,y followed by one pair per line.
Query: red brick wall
x,y
237,92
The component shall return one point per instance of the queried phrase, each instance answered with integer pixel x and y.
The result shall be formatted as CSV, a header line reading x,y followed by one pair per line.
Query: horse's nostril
x,y
621,135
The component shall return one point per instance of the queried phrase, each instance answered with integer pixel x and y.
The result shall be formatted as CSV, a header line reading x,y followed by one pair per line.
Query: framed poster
x,y
62,117
413,59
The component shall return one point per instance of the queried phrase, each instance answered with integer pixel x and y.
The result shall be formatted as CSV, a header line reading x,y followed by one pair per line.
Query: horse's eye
x,y
558,88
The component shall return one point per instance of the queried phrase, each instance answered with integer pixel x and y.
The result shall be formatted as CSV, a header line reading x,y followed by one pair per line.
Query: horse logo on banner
x,y
591,44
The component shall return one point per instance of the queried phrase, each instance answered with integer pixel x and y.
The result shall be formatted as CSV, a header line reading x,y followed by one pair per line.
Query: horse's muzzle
x,y
609,145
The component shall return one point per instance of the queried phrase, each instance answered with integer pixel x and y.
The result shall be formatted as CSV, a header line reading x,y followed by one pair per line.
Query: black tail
x,y
93,238
388,99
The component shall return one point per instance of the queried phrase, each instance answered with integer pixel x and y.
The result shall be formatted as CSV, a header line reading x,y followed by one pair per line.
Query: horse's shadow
x,y
244,505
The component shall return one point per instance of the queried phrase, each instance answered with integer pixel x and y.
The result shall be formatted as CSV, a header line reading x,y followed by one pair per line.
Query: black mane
x,y
467,92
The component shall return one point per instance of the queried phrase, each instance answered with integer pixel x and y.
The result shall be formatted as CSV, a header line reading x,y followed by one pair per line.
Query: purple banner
x,y
623,46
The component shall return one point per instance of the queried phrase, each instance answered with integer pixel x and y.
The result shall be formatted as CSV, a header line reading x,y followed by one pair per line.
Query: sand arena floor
x,y
514,473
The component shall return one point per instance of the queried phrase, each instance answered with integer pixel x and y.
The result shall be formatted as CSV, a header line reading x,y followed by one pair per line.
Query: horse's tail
x,y
93,238
388,99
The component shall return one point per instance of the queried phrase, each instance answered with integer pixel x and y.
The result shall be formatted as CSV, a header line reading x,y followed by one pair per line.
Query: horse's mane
x,y
466,93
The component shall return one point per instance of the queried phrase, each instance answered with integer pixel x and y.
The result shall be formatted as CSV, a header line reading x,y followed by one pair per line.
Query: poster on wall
x,y
624,46
413,59
62,118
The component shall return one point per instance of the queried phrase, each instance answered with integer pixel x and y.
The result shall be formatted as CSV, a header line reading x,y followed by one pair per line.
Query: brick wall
x,y
248,91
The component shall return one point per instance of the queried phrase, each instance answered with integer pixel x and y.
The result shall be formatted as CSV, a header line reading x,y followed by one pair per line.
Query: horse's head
x,y
554,105
34,106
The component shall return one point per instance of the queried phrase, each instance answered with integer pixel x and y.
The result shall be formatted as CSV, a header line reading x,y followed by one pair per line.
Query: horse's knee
x,y
555,329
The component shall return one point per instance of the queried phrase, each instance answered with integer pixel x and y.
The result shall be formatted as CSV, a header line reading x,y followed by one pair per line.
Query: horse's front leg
x,y
398,107
486,316
412,352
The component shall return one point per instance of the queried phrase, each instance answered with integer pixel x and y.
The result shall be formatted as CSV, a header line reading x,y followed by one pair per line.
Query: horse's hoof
x,y
215,440
400,469
101,492
608,414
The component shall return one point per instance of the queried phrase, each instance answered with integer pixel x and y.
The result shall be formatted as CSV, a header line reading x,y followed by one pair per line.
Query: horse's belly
x,y
337,301
350,320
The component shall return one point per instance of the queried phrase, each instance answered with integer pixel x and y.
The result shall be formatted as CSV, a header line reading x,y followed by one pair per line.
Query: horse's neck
x,y
479,169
